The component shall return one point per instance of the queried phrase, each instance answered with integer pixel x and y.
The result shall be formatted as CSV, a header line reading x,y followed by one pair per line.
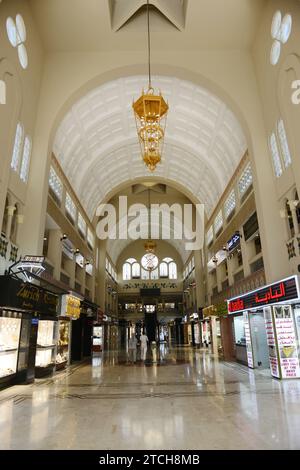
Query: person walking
x,y
132,348
144,344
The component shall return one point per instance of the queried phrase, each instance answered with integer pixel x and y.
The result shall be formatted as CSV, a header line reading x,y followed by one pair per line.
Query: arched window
x,y
16,32
15,161
275,156
163,270
25,160
136,271
145,275
285,150
154,274
131,269
126,272
172,270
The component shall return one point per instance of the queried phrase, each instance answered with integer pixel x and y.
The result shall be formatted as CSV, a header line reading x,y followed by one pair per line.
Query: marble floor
x,y
191,400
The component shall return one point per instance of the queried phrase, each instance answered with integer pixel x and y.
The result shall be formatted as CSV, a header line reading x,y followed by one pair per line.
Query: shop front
x,y
69,313
28,315
82,330
266,325
211,327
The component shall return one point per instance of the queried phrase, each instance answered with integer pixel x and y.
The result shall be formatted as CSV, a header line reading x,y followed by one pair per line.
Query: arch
x,y
164,70
96,143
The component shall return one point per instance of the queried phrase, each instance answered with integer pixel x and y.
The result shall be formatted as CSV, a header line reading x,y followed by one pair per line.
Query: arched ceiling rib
x,y
96,143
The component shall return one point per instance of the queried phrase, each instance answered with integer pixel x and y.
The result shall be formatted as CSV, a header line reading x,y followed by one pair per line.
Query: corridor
x,y
190,401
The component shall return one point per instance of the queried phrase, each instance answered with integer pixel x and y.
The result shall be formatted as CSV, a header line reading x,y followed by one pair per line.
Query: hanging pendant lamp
x,y
150,112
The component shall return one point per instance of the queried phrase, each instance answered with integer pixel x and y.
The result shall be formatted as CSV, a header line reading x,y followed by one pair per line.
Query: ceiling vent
x,y
130,14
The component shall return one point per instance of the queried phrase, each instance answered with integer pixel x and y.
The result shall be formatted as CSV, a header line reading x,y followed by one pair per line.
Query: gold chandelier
x,y
150,112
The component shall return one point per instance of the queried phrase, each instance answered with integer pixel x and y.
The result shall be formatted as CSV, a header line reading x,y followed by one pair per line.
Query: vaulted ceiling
x,y
96,143
90,25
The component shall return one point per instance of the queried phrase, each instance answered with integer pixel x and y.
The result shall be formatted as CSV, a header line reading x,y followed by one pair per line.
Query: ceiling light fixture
x,y
150,112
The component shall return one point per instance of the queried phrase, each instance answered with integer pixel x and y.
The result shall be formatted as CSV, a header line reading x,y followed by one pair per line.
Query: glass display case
x,y
45,350
97,338
24,345
9,345
63,344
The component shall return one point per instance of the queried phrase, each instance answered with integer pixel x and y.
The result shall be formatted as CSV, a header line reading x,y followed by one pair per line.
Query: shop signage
x,y
248,340
283,291
34,259
287,343
70,306
234,242
26,296
272,345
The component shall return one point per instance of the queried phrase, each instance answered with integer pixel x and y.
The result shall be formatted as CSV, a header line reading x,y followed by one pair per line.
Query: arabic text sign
x,y
287,344
280,292
248,340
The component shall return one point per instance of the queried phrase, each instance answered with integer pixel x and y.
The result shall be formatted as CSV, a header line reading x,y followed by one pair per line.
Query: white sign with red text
x,y
287,342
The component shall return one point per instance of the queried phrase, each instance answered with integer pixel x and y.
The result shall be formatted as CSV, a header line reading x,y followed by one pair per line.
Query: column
x,y
244,249
230,270
199,279
71,269
101,275
55,251
293,207
10,214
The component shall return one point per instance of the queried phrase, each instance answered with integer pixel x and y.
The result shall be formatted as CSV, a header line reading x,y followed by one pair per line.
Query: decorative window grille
x,y
70,207
55,184
15,161
81,225
275,155
285,150
218,224
245,180
230,204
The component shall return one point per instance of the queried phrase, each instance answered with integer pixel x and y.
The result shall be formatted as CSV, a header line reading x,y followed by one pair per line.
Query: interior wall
x,y
23,87
275,89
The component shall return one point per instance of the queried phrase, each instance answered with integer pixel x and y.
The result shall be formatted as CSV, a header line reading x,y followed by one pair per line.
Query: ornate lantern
x,y
150,112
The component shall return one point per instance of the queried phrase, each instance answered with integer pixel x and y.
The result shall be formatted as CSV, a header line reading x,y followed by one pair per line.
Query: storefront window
x,y
9,344
239,331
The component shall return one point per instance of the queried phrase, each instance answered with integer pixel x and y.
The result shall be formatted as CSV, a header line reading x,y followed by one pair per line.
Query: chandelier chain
x,y
149,44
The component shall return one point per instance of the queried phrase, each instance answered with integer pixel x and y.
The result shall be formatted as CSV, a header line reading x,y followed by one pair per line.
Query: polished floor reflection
x,y
188,400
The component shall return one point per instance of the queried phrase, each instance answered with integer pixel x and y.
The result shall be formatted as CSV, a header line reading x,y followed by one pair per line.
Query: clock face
x,y
149,262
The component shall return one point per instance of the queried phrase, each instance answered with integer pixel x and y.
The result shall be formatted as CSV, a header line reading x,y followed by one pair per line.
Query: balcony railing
x,y
9,253
293,247
250,283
